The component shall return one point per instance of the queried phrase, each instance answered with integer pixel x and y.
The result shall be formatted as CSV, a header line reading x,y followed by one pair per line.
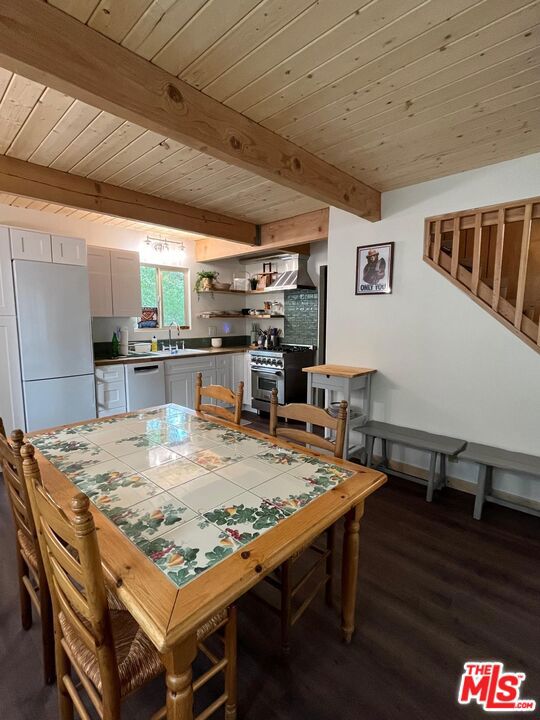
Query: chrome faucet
x,y
176,348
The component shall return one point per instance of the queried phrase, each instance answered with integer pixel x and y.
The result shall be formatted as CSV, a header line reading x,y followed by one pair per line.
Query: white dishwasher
x,y
145,385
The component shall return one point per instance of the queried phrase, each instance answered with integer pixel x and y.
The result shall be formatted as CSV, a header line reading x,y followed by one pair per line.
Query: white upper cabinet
x,y
115,282
99,278
7,296
126,283
30,245
68,250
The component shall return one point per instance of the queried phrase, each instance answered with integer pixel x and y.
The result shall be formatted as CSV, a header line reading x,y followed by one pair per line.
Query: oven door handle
x,y
260,371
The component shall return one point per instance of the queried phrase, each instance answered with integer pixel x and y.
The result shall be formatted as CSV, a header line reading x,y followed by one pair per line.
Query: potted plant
x,y
205,280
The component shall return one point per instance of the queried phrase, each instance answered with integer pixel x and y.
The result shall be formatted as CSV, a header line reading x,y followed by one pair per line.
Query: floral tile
x,y
151,518
52,437
206,492
188,550
325,475
108,435
93,427
174,473
217,456
74,454
130,444
279,456
250,472
114,490
100,473
287,492
245,517
147,426
245,444
149,457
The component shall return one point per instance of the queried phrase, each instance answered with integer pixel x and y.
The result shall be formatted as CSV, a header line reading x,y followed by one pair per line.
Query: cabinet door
x,y
179,389
99,278
11,399
68,250
7,296
126,283
247,380
30,245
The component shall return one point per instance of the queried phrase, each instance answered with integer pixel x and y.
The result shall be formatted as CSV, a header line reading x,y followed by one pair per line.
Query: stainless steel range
x,y
281,369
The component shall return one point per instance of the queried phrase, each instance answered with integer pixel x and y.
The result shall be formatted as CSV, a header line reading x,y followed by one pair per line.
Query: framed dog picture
x,y
374,265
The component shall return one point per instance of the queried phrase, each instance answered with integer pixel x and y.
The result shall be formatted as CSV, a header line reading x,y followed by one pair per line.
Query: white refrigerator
x,y
55,343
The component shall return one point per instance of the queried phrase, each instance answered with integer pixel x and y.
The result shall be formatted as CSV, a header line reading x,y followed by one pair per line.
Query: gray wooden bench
x,y
491,457
439,446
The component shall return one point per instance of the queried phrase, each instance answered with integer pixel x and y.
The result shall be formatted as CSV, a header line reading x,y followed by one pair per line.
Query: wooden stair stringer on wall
x,y
447,262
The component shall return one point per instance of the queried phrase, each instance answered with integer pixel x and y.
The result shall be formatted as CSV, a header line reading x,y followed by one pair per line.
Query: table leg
x,y
178,679
431,476
349,571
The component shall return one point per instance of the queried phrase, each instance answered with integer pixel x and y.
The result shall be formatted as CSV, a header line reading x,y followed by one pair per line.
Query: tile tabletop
x,y
187,491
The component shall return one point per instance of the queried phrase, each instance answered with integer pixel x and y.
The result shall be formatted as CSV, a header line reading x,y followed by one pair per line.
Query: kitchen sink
x,y
186,351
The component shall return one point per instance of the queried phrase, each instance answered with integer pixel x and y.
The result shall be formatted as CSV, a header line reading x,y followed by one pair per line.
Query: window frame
x,y
187,304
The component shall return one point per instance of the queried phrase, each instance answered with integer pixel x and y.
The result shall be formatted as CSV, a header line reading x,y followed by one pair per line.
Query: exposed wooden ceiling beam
x,y
51,47
18,177
281,234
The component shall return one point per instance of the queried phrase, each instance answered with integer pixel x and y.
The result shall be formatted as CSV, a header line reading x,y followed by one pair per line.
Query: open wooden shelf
x,y
241,292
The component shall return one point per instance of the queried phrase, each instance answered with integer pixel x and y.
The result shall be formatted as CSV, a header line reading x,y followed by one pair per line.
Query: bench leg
x,y
483,487
369,449
442,471
384,452
431,476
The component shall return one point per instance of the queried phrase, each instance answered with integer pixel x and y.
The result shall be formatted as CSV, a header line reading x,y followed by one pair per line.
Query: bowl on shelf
x,y
221,286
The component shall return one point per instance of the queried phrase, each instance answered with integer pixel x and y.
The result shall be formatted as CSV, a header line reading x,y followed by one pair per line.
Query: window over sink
x,y
164,295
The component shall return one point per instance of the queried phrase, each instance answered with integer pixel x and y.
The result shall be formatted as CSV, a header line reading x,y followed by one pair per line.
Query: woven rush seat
x,y
28,550
138,660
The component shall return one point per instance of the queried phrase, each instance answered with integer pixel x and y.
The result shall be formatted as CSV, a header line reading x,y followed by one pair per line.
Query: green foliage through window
x,y
166,290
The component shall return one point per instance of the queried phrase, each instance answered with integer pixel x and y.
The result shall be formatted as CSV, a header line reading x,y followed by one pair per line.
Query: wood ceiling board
x,y
155,171
278,53
265,20
117,141
418,34
131,152
45,114
17,103
401,88
200,32
75,120
160,152
40,183
98,130
115,19
79,9
463,108
407,147
5,77
159,24
114,79
334,55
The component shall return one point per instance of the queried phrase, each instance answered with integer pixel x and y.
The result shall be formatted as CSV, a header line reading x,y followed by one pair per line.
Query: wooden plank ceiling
x,y
393,93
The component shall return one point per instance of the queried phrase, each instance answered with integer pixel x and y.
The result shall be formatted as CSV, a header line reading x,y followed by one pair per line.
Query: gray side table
x,y
340,381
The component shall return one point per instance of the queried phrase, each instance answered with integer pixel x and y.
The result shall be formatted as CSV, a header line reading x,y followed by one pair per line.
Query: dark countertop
x,y
154,358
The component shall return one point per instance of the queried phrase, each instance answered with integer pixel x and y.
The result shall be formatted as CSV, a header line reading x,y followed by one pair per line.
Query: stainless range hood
x,y
291,269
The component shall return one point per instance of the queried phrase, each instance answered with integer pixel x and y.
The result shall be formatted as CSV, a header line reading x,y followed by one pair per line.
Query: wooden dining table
x,y
192,512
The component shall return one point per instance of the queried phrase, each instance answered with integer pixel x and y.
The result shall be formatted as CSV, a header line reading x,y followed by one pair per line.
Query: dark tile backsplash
x,y
301,316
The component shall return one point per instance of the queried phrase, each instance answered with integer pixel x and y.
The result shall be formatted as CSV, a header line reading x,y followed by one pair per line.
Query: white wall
x,y
444,364
102,328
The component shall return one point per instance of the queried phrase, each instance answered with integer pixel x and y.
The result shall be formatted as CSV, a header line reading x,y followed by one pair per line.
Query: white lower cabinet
x,y
180,375
11,398
110,390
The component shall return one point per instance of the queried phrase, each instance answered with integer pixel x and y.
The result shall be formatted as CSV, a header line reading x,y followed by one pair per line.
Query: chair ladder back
x,y
221,394
305,413
11,463
73,565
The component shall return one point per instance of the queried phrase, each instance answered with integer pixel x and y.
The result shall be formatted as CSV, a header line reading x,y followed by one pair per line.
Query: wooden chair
x,y
95,635
221,394
33,587
291,609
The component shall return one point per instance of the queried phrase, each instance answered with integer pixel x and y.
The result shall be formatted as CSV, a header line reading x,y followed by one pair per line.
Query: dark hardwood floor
x,y
436,589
